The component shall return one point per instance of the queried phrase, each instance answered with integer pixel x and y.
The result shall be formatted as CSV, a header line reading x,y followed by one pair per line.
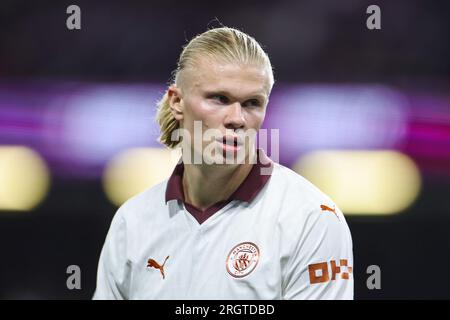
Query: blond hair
x,y
224,44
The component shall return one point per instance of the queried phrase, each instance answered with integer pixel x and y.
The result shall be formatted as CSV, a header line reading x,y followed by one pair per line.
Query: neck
x,y
205,185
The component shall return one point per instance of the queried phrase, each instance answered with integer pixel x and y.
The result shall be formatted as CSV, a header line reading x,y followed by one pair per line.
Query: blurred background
x,y
364,114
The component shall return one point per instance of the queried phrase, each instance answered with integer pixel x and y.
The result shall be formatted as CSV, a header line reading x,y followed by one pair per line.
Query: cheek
x,y
255,119
200,110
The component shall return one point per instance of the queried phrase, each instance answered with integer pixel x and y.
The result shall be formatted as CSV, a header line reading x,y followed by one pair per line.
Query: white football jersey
x,y
277,237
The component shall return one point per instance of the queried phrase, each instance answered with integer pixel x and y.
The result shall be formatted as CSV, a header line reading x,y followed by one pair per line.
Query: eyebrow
x,y
226,93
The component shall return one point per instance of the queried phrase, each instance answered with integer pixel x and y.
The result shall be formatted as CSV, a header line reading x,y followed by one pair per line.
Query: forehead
x,y
235,78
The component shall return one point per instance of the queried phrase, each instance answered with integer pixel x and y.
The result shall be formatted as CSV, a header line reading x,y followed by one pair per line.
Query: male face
x,y
229,100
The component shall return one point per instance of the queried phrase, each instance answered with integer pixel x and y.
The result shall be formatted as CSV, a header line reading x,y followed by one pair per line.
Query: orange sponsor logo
x,y
153,264
326,208
318,272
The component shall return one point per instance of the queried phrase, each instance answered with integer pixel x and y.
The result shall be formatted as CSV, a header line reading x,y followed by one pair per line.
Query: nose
x,y
234,118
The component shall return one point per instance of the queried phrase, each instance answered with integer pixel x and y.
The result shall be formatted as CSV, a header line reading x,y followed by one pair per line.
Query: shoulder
x,y
145,203
309,220
303,205
135,218
297,190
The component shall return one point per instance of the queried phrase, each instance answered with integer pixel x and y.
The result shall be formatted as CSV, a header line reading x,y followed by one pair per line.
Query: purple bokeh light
x,y
78,127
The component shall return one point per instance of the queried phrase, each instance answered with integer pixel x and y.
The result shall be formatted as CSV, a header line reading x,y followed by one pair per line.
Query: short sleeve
x,y
113,274
321,259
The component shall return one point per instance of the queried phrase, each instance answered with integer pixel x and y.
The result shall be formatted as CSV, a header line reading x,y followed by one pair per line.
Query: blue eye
x,y
220,98
252,102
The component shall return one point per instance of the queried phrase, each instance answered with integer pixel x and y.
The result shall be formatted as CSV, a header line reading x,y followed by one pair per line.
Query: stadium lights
x,y
24,178
363,182
134,170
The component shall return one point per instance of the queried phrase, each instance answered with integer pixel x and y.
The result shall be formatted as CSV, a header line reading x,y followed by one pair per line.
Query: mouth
x,y
230,143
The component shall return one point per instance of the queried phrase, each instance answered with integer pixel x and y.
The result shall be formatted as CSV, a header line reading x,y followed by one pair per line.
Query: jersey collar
x,y
247,191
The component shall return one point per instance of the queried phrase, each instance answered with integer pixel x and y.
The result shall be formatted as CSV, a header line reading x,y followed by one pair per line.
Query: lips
x,y
231,141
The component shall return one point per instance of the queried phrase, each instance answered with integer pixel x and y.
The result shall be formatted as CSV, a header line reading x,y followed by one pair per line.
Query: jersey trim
x,y
246,192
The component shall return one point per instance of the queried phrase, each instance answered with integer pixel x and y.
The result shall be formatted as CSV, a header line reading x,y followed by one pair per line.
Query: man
x,y
216,229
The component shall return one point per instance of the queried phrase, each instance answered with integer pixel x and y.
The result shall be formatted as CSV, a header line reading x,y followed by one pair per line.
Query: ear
x,y
175,102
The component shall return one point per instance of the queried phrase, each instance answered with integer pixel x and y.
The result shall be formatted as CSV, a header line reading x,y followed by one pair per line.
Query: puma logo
x,y
154,264
325,208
